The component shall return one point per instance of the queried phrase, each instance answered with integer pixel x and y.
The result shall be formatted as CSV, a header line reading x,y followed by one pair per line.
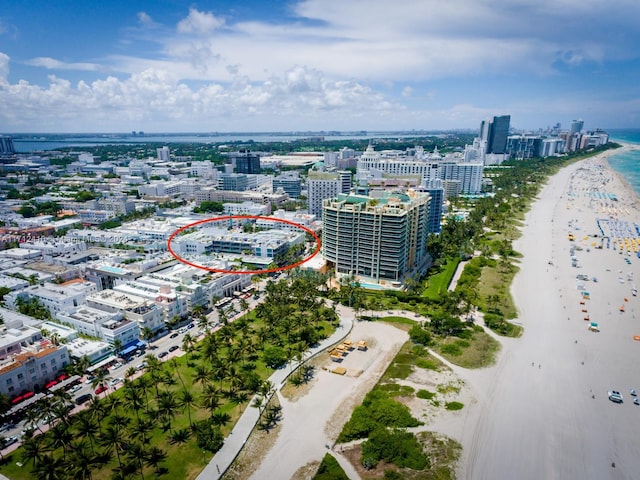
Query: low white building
x,y
172,303
29,366
57,298
137,309
110,326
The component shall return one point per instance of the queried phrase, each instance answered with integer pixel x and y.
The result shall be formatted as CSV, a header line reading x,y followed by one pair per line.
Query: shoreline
x,y
542,411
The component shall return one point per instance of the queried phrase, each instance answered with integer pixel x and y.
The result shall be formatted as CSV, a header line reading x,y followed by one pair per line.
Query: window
x,y
11,389
43,366
53,361
9,381
20,376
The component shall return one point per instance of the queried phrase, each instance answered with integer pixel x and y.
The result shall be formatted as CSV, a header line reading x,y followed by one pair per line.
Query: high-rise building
x,y
345,181
576,126
380,241
435,189
244,161
163,154
320,186
495,132
6,145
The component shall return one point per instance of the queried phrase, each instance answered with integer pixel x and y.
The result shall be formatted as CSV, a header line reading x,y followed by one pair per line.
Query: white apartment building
x,y
109,326
31,366
137,309
305,219
246,208
321,186
56,298
469,174
172,303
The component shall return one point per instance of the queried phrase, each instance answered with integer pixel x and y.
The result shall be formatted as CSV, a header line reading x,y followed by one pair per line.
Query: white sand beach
x,y
543,410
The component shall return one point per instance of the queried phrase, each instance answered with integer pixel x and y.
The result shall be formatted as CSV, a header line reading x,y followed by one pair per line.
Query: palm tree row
x,y
187,402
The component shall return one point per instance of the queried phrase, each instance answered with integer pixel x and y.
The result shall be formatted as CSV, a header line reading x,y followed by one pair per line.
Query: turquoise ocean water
x,y
627,164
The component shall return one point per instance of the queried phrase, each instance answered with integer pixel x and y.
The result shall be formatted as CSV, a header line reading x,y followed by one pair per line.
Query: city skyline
x,y
316,65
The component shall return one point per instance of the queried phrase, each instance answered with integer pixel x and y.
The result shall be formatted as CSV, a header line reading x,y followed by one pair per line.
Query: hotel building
x,y
379,241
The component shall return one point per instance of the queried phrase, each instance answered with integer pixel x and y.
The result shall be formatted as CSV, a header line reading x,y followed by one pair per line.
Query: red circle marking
x,y
244,272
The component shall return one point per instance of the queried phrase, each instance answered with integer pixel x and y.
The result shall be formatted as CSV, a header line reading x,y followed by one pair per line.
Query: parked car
x,y
75,388
142,366
89,379
173,348
10,440
101,389
83,398
116,381
615,396
163,354
174,335
191,325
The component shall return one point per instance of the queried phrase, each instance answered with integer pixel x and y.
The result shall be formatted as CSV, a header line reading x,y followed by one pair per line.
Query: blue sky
x,y
174,66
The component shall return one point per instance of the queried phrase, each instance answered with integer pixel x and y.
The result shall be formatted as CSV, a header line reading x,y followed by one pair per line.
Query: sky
x,y
316,65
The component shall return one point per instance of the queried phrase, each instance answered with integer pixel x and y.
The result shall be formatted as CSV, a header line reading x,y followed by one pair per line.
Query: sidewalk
x,y
233,444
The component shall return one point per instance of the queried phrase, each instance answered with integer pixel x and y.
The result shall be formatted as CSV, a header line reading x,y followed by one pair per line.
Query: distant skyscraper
x,y
576,126
6,145
163,154
495,132
245,162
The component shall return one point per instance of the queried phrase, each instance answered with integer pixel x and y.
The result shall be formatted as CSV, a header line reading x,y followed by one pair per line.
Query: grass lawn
x,y
497,281
438,283
478,352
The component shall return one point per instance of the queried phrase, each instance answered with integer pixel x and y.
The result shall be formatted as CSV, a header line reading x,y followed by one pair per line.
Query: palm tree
x,y
101,379
117,347
167,406
141,427
83,461
180,436
203,375
210,398
81,365
137,454
33,449
113,438
220,418
60,436
147,334
154,457
50,468
186,400
187,344
87,427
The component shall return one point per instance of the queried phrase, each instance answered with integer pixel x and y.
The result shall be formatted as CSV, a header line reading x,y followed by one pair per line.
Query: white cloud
x,y
53,64
4,68
145,19
199,22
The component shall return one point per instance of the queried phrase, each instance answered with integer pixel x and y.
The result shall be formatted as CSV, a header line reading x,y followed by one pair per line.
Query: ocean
x,y
627,164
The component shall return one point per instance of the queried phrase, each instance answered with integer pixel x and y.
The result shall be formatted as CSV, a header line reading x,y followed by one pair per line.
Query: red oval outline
x,y
244,272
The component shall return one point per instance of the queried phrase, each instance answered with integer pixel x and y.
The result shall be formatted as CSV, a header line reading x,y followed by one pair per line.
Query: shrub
x,y
377,410
330,469
395,446
451,349
427,364
453,406
419,335
425,394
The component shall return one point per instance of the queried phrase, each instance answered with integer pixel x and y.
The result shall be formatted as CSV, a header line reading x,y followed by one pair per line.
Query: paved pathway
x,y
233,444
